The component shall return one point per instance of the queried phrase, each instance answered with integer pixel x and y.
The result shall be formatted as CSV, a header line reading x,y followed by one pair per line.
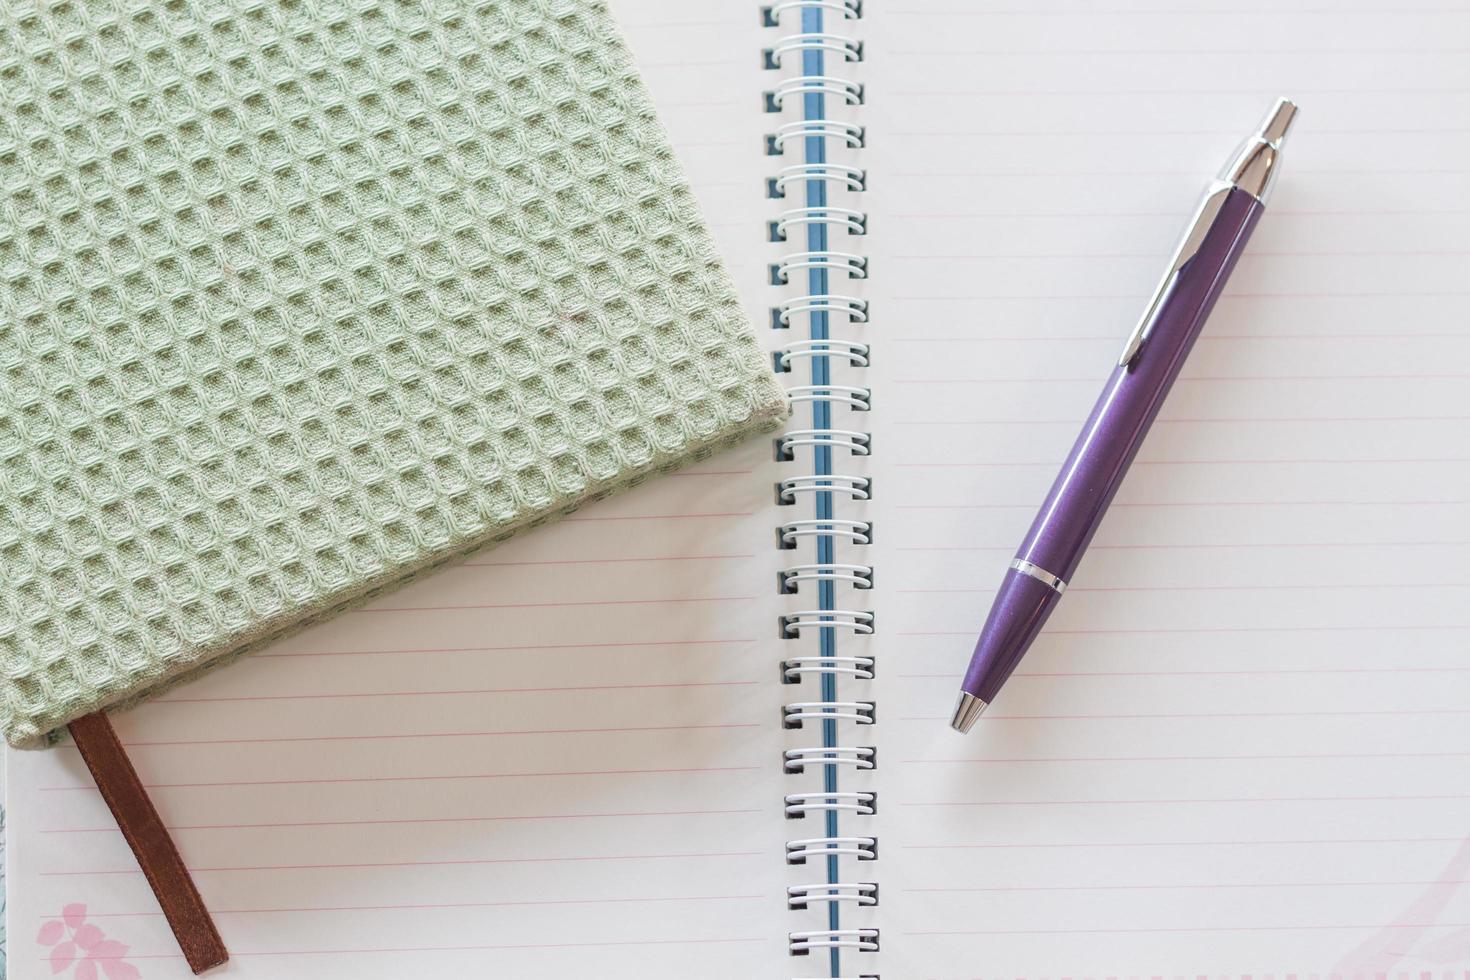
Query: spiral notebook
x,y
701,730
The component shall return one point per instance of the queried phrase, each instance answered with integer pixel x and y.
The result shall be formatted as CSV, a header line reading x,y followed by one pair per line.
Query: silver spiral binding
x,y
855,487
862,848
838,44
858,712
844,619
855,308
847,90
857,532
820,226
847,8
856,756
858,576
851,135
857,892
855,222
793,669
856,266
856,398
798,805
856,354
854,442
864,940
852,178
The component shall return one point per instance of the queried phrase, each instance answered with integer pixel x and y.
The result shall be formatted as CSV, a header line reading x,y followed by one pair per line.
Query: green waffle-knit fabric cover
x,y
300,298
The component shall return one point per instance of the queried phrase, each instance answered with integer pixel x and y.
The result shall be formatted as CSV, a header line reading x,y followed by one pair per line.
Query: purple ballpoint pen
x,y
1121,418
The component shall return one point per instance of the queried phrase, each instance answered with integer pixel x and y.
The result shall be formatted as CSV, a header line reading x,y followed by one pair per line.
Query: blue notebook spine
x,y
818,233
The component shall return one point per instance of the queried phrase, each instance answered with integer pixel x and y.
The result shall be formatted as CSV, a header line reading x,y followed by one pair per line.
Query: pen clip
x,y
1199,226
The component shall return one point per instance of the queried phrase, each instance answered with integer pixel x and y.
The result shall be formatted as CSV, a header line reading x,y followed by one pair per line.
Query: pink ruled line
x,y
1052,845
292,739
419,864
691,144
659,517
1322,587
417,821
970,298
686,474
552,605
659,26
1206,545
1153,256
424,906
1185,886
938,804
1177,929
695,103
1276,213
1271,757
1067,52
1232,378
512,647
1113,338
1140,631
1124,174
358,950
337,695
1202,715
1150,504
1239,420
1235,10
691,63
1051,464
326,781
1206,673
1095,134
602,561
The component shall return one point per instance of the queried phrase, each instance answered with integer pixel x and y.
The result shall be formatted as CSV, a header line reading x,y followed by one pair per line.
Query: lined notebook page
x,y
1243,746
562,759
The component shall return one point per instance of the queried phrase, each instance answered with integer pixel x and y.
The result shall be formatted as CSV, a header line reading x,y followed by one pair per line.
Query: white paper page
x,y
1243,744
562,759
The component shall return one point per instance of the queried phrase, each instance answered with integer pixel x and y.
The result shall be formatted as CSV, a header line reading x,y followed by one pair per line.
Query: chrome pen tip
x,y
967,710
1253,167
1278,122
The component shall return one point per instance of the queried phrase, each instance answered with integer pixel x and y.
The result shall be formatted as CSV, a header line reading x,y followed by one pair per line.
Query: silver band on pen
x,y
1040,574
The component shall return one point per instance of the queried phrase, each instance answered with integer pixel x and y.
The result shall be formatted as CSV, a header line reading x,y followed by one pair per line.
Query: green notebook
x,y
299,299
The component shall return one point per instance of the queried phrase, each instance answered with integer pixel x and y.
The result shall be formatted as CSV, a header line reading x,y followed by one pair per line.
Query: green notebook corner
x,y
301,299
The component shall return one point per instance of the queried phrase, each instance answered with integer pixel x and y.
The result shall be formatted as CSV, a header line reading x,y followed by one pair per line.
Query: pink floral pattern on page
x,y
75,942
1407,936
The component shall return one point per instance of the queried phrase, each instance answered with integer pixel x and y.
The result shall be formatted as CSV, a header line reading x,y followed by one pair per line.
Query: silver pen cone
x,y
1253,167
967,710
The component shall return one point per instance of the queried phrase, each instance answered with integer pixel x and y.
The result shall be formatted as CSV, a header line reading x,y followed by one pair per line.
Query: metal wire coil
x,y
822,259
863,940
857,892
858,757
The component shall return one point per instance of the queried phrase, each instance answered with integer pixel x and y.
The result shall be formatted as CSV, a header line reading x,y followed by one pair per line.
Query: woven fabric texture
x,y
301,298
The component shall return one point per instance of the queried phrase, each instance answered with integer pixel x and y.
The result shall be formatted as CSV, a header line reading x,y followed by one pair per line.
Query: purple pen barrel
x,y
1132,397
1110,440
1130,401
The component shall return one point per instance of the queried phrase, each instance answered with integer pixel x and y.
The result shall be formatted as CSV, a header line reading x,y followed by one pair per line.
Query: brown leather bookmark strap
x,y
146,835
